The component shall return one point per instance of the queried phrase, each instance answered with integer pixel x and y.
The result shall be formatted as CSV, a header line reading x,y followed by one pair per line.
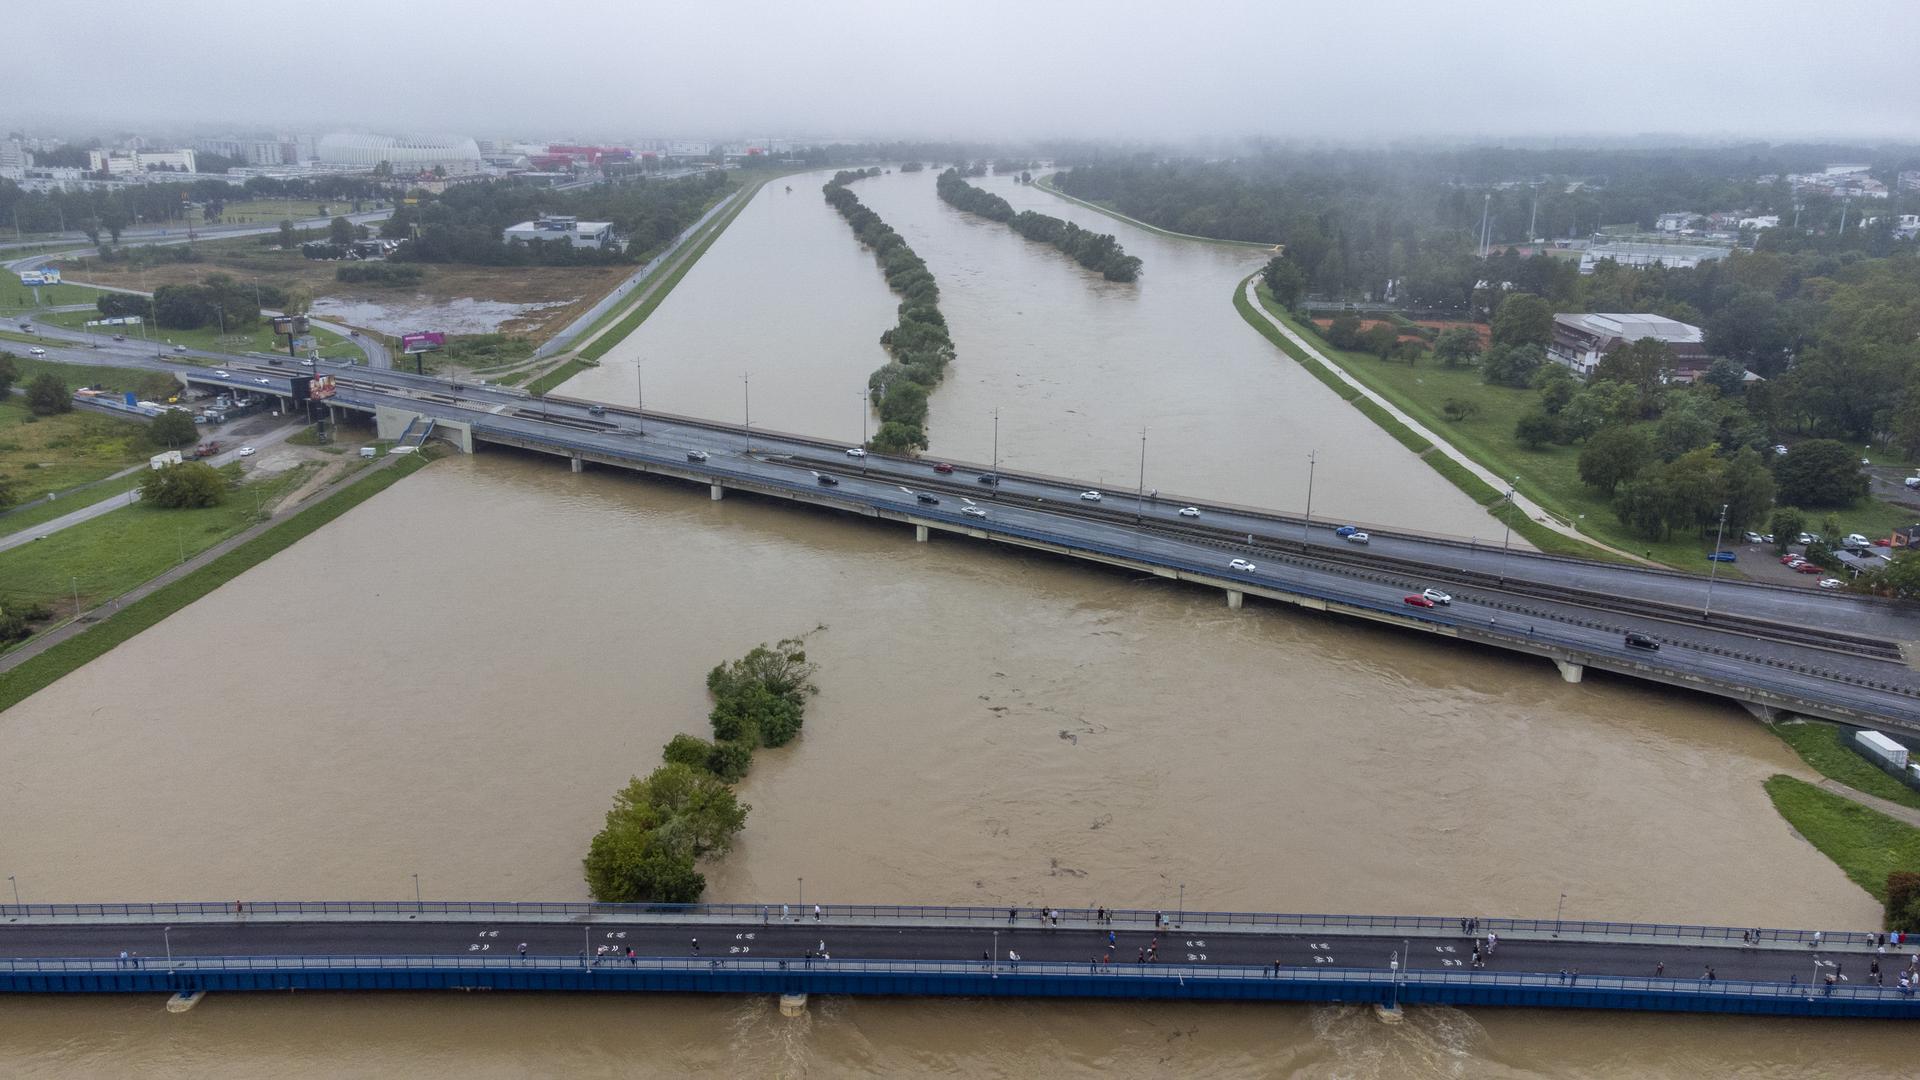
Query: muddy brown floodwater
x,y
453,679
1076,366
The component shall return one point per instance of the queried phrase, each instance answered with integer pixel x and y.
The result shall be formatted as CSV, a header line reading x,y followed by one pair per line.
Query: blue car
x,y
1345,530
1722,556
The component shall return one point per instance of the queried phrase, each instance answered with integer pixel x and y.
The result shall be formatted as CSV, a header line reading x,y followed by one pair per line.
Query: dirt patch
x,y
541,299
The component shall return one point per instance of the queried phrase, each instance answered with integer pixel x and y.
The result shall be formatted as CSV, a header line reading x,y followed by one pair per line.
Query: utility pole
x,y
1714,569
1486,211
1534,217
746,389
994,488
1506,536
639,396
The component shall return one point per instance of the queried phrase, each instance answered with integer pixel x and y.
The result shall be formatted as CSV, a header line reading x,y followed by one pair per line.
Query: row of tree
x,y
662,824
1095,251
918,343
219,301
107,212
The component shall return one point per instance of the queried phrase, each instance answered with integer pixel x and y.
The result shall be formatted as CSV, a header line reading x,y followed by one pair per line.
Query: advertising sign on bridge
x,y
321,388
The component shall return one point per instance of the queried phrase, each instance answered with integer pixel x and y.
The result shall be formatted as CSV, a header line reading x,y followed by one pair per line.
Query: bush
x,y
47,395
1903,901
186,485
378,273
1457,410
1536,429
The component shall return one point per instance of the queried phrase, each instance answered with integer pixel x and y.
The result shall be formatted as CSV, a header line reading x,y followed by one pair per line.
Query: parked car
x,y
1831,583
246,451
943,468
1242,564
1346,530
1637,640
1089,496
1779,448
973,511
1436,596
696,455
1722,556
856,452
825,481
1189,511
1881,541
1855,540
1913,481
1790,558
1416,600
1810,538
1805,567
1358,538
1767,539
924,497
1755,538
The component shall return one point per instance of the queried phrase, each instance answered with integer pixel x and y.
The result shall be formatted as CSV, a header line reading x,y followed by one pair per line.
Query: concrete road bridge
x,y
1023,951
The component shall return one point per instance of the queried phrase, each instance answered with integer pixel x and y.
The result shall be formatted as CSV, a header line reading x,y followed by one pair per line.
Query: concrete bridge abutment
x,y
1570,671
1235,599
577,463
920,534
717,492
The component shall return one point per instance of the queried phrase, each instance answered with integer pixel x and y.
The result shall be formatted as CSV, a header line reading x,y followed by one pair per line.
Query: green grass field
x,y
26,517
1865,844
104,557
54,453
17,299
1824,747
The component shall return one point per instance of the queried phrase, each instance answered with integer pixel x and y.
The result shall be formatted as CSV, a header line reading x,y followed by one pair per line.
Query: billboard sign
x,y
424,341
288,325
321,388
48,276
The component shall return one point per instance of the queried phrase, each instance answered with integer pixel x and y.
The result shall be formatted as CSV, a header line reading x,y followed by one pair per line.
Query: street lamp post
x,y
746,391
1307,522
1557,912
1713,567
994,488
803,897
1506,536
166,935
1180,913
1140,493
16,890
993,958
417,905
639,397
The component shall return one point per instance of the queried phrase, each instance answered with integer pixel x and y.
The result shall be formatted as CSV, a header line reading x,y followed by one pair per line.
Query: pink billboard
x,y
422,341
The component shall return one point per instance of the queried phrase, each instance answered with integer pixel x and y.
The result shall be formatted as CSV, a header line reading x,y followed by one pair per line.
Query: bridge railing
x,y
985,918
1374,977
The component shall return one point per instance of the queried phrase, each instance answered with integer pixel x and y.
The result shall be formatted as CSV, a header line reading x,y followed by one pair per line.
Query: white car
x,y
1831,583
1913,481
1810,538
973,511
1779,449
222,374
1856,540
1755,538
1189,511
263,382
1358,538
1089,496
1242,564
856,452
246,451
1436,596
36,351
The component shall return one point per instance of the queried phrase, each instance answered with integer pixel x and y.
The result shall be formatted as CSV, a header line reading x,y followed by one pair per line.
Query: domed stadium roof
x,y
345,148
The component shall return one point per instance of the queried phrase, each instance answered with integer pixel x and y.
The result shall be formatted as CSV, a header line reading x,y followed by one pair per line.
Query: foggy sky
x,y
979,69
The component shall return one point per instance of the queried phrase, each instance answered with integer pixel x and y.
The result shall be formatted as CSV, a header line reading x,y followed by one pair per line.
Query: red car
x,y
943,467
1416,600
1809,568
1789,560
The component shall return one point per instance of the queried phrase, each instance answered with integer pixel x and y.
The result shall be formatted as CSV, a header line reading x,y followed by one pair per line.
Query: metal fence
x,y
1021,917
1362,977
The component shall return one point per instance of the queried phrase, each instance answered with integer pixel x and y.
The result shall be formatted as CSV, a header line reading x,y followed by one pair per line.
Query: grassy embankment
x,y
108,555
41,671
652,291
1824,747
1045,183
259,338
1866,844
55,453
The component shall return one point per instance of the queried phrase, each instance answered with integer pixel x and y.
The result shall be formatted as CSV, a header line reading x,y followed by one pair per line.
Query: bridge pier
x,y
1766,714
793,1004
920,534
1569,670
717,492
1235,598
577,463
184,1000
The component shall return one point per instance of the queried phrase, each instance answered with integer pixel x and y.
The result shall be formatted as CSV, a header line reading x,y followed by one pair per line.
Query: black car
x,y
1636,640
926,498
596,410
826,481
696,455
988,479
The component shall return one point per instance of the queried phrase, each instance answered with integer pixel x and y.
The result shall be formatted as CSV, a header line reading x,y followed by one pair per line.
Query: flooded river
x,y
453,679
1076,366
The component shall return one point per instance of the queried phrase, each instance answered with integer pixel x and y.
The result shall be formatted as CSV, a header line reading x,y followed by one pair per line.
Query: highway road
x,y
79,245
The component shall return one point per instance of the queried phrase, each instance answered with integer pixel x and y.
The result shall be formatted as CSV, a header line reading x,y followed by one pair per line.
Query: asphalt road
x,y
1024,940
